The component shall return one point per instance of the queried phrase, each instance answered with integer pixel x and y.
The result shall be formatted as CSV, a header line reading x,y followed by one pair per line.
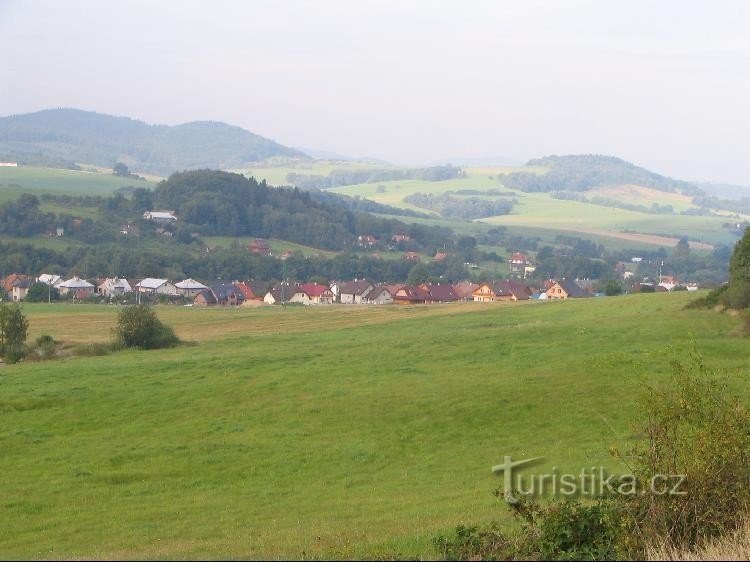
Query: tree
x,y
41,292
13,330
120,169
738,294
138,326
418,274
613,288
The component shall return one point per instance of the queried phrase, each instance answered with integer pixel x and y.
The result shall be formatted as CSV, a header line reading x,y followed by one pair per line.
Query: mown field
x,y
36,180
330,432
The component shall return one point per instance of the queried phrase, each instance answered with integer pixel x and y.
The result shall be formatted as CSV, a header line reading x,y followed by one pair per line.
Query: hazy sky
x,y
664,83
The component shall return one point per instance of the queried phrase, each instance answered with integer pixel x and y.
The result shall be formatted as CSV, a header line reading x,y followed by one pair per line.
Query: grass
x,y
331,432
277,246
36,180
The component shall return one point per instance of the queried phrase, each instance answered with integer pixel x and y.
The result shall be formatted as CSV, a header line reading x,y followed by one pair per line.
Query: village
x,y
191,292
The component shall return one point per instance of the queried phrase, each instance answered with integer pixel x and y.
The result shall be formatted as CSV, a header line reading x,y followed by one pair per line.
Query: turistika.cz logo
x,y
590,481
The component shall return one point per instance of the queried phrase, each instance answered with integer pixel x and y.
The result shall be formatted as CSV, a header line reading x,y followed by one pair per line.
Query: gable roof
x,y
190,284
464,289
314,289
22,283
572,288
441,292
357,287
290,289
252,289
225,291
207,296
76,283
412,293
117,283
151,283
49,278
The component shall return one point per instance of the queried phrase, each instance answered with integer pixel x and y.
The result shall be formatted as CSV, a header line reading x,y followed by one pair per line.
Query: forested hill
x,y
582,172
211,202
56,136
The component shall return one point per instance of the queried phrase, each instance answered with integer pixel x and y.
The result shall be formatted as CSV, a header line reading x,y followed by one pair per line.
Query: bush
x,y
613,288
713,298
695,428
13,329
44,348
139,327
565,530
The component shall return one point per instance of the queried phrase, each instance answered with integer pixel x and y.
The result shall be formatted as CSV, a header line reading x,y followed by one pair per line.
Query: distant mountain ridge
x,y
74,135
581,172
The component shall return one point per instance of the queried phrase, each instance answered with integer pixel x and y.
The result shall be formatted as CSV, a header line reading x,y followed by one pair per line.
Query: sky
x,y
663,84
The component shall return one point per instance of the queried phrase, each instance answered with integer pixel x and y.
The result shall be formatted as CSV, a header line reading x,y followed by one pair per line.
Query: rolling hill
x,y
60,136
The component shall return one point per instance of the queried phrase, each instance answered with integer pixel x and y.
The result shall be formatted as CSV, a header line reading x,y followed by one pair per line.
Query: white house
x,y
160,216
355,292
114,287
76,284
189,287
156,287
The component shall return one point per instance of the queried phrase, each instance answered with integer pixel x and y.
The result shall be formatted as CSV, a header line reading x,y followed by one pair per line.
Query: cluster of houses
x,y
357,291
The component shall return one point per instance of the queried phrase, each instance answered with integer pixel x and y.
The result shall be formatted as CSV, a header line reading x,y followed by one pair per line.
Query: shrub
x,y
695,428
138,326
13,329
713,298
613,288
44,348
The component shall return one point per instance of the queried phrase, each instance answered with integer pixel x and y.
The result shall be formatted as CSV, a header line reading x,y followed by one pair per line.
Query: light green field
x,y
277,246
335,432
276,175
53,180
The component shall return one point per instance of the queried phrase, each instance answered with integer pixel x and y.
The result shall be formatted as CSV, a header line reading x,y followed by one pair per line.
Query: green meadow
x,y
36,180
323,432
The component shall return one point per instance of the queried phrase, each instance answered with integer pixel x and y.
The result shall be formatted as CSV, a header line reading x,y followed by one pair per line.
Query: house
x,y
19,289
366,241
355,292
156,287
280,293
412,294
205,298
79,287
496,291
259,246
440,292
164,217
49,279
226,294
114,287
10,279
400,237
382,294
252,290
411,256
564,289
312,294
439,256
518,262
59,231
189,287
464,290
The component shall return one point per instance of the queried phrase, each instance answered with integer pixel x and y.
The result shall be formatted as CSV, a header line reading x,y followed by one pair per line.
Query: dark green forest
x,y
586,171
61,137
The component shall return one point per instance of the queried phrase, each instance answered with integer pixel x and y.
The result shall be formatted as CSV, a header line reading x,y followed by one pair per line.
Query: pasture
x,y
322,432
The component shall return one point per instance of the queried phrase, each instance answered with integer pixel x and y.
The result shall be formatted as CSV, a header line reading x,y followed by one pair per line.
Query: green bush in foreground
x,y
694,429
13,330
139,327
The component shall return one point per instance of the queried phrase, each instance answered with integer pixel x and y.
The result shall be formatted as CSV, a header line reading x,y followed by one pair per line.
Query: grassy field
x,y
277,246
329,432
30,179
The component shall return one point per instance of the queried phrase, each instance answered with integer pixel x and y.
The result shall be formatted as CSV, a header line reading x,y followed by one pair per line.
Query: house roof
x,y
190,284
519,257
412,293
207,296
357,287
224,291
49,279
380,289
314,289
464,289
22,283
160,215
151,283
572,288
117,283
252,289
289,290
76,283
10,279
441,292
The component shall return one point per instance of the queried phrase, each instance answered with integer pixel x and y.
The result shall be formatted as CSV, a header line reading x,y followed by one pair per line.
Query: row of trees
x,y
461,208
340,178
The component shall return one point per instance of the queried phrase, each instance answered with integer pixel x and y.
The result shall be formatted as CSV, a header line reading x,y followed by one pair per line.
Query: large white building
x,y
156,287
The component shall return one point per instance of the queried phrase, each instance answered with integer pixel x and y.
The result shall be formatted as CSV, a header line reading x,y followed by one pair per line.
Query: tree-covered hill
x,y
72,135
581,172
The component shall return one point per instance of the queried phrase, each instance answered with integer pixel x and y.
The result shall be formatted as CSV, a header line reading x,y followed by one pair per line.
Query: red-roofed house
x,y
312,294
411,294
